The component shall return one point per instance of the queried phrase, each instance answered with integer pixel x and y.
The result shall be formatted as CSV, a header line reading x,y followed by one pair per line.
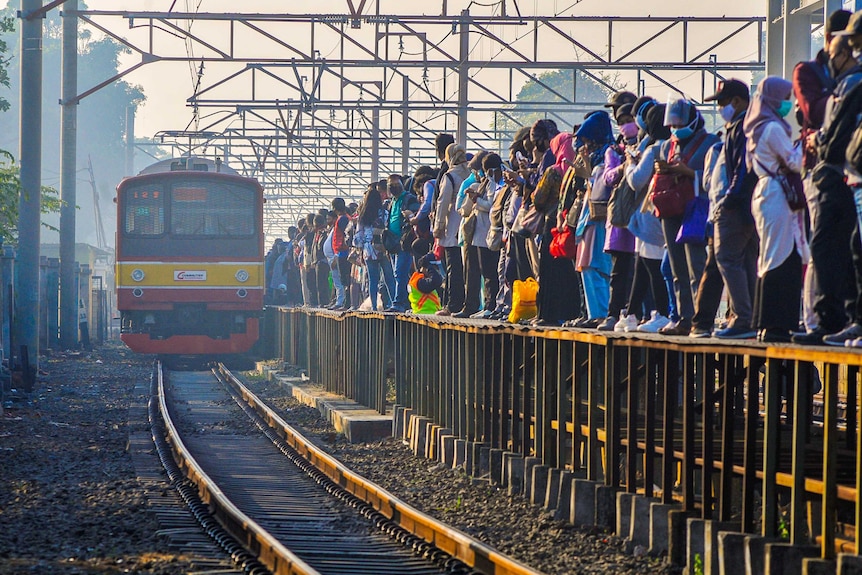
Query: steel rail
x,y
456,543
278,558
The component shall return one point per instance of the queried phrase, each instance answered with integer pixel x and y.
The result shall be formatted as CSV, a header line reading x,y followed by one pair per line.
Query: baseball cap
x,y
837,21
854,26
728,89
620,98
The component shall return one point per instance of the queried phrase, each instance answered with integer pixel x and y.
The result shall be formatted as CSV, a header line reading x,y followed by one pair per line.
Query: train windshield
x,y
206,208
145,211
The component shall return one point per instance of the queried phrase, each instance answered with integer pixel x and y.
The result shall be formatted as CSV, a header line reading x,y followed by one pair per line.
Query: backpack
x,y
547,192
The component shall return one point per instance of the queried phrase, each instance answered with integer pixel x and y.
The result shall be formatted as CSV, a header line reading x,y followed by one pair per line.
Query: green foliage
x,y
698,564
559,86
10,193
7,24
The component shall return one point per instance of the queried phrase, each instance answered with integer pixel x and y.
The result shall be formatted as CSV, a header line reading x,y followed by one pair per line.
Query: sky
x,y
167,85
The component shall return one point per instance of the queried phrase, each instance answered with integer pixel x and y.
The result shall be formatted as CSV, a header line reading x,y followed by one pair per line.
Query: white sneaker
x,y
655,323
626,323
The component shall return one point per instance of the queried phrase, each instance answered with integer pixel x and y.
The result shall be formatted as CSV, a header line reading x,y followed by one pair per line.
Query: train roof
x,y
189,163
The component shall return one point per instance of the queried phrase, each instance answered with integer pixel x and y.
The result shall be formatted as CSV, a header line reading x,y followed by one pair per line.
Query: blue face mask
x,y
640,122
682,133
784,108
481,174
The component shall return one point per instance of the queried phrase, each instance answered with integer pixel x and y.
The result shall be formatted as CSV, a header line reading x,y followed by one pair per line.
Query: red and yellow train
x,y
190,275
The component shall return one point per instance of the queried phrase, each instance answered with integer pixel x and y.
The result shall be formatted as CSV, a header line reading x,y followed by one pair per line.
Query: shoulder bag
x,y
791,184
670,193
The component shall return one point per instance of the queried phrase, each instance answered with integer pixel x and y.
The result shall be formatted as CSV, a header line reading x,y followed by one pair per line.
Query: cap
x,y
625,109
854,25
837,21
620,98
727,89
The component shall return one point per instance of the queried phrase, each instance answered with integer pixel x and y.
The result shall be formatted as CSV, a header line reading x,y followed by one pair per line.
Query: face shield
x,y
678,112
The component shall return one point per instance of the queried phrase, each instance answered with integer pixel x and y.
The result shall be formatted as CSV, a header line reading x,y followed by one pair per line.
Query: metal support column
x,y
30,154
405,126
797,28
774,37
463,77
130,140
375,144
68,180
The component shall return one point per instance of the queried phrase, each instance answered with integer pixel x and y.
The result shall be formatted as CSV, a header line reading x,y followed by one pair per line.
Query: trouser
x,y
596,292
736,247
622,268
809,282
504,294
670,287
403,263
647,281
488,262
776,302
380,275
709,291
835,289
324,292
454,261
309,287
473,274
337,284
344,269
687,262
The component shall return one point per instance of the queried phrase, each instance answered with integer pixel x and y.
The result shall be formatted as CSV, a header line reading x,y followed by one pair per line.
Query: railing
x,y
703,424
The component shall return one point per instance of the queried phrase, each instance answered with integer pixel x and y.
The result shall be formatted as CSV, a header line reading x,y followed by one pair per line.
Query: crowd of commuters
x,y
638,219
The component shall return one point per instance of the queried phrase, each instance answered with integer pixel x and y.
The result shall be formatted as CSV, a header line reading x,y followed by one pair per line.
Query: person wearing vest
x,y
424,284
403,205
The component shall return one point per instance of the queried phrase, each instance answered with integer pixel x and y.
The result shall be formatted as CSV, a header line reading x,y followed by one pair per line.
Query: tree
x,y
10,191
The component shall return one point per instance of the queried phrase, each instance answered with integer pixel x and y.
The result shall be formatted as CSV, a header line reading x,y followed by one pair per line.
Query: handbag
x,y
547,193
563,243
598,211
671,193
468,228
693,228
622,204
494,238
527,221
791,184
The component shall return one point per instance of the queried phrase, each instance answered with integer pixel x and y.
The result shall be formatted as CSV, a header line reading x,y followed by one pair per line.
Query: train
x,y
190,259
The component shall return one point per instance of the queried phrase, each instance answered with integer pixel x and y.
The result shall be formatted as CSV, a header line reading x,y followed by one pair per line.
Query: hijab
x,y
455,155
655,123
771,91
564,152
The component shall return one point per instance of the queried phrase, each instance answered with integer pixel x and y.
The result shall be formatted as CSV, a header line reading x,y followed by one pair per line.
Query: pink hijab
x,y
561,147
771,91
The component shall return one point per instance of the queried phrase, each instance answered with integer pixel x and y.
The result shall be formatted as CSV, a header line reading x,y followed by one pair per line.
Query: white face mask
x,y
727,113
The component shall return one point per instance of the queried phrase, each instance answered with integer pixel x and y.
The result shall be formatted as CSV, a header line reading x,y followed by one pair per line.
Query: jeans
x,y
403,264
375,267
336,281
670,285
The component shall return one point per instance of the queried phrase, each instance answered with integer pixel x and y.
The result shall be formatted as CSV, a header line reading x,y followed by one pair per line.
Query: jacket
x,y
447,220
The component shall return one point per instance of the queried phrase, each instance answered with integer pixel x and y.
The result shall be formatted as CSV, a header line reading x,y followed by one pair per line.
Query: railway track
x,y
295,509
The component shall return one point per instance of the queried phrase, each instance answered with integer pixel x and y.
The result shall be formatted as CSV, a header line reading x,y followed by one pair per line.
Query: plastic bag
x,y
524,300
693,228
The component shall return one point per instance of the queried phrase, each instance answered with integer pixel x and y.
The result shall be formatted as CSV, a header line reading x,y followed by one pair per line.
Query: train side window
x,y
145,212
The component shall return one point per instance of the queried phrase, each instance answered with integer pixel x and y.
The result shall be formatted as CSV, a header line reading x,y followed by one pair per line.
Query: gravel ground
x,y
70,502
510,524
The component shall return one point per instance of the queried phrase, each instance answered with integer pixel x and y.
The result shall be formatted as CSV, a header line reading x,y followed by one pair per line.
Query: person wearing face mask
x,y
447,221
783,248
834,236
683,156
735,241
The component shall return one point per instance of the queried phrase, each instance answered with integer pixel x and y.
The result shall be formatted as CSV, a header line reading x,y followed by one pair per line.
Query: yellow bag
x,y
524,300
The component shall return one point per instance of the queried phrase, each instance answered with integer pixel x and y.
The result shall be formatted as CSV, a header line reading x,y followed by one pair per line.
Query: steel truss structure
x,y
318,105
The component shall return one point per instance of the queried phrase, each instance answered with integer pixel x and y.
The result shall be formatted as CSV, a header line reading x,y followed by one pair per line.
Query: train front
x,y
189,259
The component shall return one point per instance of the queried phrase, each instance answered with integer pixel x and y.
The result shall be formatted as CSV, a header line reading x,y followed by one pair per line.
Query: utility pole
x,y
68,180
29,211
101,241
463,77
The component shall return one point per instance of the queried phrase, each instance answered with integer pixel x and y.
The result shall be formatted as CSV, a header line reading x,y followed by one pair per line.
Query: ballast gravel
x,y
509,524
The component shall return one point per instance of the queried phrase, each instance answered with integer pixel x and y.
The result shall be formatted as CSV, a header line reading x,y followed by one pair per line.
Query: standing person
x,y
324,270
683,157
340,250
813,83
447,222
492,165
369,237
834,239
424,185
83,325
782,242
735,239
465,203
309,264
403,205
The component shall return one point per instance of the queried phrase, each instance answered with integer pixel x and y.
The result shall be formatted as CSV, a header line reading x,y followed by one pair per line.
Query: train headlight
x,y
138,274
138,292
241,293
241,276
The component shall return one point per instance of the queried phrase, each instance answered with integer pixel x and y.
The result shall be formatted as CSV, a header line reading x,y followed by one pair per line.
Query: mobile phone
x,y
519,156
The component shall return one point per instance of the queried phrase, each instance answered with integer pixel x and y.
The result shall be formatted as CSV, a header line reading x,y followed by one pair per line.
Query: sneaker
x,y
850,332
654,324
699,333
443,312
607,324
677,328
482,314
735,332
626,322
810,338
853,342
